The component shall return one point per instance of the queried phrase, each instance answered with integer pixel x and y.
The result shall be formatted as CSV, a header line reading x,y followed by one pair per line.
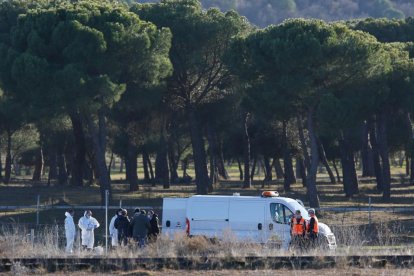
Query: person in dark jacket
x,y
122,225
312,228
140,226
155,228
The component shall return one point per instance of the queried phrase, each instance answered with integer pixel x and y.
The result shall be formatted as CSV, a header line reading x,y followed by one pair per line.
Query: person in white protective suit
x,y
70,230
88,224
113,232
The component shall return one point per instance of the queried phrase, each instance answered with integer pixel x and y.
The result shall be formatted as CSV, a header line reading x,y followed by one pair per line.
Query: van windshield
x,y
296,206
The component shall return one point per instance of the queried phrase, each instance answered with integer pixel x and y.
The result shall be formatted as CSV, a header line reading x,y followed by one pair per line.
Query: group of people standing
x,y
140,228
304,233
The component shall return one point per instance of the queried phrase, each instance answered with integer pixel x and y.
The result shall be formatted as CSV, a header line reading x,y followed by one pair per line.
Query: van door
x,y
247,220
209,218
278,224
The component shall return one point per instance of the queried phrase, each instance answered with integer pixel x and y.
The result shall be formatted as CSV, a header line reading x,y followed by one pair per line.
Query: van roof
x,y
243,197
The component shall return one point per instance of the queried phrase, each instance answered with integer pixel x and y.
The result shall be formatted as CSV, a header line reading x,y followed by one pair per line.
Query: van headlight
x,y
331,239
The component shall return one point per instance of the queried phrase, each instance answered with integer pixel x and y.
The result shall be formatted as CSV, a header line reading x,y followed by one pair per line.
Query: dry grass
x,y
16,242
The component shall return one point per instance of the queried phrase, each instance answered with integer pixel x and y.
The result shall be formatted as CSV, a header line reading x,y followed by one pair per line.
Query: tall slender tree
x,y
200,38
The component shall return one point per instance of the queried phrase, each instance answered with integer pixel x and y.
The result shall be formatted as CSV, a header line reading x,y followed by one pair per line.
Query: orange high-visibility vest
x,y
315,226
298,228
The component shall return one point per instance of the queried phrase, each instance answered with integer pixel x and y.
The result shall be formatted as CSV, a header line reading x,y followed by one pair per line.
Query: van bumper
x,y
331,240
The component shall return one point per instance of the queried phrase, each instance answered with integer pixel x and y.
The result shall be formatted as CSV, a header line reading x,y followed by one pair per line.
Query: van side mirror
x,y
260,226
168,223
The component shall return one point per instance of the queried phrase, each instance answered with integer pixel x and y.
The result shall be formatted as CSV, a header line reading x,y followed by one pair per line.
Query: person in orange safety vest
x,y
298,230
312,228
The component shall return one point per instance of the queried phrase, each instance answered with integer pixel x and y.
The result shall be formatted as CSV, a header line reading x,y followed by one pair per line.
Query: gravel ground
x,y
342,271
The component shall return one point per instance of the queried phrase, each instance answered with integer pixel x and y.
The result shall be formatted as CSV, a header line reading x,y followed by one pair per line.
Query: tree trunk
x,y
98,135
246,151
411,171
53,170
301,170
278,168
268,169
303,144
312,191
350,180
16,167
289,175
220,162
212,149
173,162
80,150
111,161
345,171
325,161
151,170
89,170
39,164
8,163
162,175
61,164
336,170
213,173
376,157
121,166
240,169
131,166
368,169
145,166
184,167
384,153
199,155
1,168
407,165
409,152
253,168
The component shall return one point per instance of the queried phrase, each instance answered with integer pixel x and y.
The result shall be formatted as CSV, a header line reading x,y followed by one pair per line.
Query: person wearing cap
x,y
298,229
113,232
312,228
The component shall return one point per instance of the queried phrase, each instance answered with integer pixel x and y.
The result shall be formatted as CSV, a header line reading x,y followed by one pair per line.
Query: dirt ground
x,y
342,271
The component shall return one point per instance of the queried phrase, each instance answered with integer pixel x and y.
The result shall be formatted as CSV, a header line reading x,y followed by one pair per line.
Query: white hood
x,y
324,229
67,214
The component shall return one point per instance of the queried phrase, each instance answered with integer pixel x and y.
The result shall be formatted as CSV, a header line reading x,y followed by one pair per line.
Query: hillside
x,y
266,12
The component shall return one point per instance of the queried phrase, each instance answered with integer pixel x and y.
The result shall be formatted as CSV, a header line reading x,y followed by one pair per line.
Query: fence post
x,y
57,236
32,236
106,220
120,202
37,209
369,212
79,241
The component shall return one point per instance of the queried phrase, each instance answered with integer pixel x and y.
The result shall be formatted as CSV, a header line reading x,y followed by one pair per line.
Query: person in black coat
x,y
155,228
122,225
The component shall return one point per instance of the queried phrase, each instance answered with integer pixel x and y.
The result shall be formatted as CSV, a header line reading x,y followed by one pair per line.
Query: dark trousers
x,y
298,242
141,241
313,239
122,239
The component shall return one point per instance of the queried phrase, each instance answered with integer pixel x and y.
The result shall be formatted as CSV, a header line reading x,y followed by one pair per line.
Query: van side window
x,y
280,213
288,214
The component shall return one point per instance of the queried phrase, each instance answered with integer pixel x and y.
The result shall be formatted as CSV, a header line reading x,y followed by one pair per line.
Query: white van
x,y
262,219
